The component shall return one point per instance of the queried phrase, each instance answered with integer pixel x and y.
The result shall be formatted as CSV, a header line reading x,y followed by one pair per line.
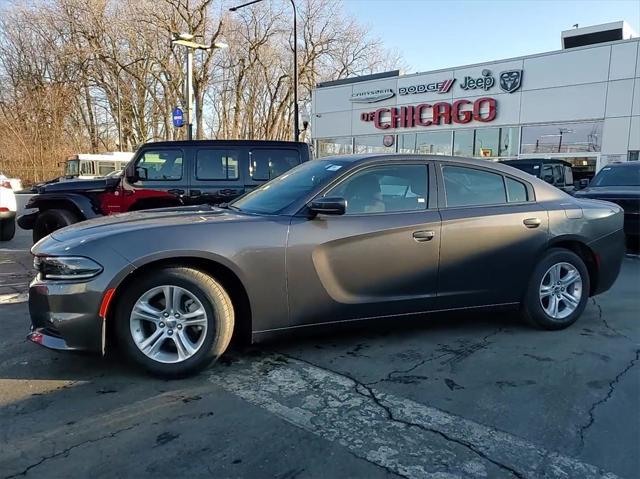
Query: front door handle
x,y
176,192
421,236
532,222
195,193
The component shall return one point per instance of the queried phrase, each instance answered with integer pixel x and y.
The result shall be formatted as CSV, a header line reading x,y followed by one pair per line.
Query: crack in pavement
x,y
600,402
370,394
606,323
69,449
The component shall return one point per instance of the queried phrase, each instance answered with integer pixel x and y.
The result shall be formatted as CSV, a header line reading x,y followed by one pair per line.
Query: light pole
x,y
296,120
120,68
186,40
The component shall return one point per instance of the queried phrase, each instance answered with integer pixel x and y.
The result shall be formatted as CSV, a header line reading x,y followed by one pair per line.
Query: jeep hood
x,y
149,219
99,184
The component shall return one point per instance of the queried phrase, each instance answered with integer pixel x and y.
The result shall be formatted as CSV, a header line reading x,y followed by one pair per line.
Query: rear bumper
x,y
65,315
609,251
7,215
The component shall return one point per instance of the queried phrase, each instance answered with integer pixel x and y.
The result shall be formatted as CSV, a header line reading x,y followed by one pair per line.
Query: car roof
x,y
371,157
226,142
532,161
626,164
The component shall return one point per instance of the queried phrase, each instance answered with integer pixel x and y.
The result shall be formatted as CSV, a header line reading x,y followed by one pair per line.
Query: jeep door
x,y
217,173
379,258
160,180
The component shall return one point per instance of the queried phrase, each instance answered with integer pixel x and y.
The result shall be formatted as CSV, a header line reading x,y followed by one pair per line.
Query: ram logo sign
x,y
511,80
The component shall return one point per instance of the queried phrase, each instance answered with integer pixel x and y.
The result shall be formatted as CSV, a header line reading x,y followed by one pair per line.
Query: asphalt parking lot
x,y
479,396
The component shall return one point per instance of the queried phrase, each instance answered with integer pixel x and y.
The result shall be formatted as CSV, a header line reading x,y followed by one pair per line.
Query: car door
x,y
493,231
162,181
217,175
379,258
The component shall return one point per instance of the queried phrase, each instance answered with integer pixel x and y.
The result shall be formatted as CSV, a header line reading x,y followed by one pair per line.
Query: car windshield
x,y
618,176
72,168
277,194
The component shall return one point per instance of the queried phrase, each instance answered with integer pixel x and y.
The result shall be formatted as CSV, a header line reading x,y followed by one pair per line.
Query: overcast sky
x,y
434,34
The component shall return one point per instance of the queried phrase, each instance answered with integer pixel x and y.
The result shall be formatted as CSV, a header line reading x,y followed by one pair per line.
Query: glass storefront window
x,y
562,138
407,143
463,143
509,141
334,146
486,142
434,143
372,144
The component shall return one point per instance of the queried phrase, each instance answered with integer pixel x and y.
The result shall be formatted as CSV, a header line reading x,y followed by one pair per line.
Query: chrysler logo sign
x,y
371,96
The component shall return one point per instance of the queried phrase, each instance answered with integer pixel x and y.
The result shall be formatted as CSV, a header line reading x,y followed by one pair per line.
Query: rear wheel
x,y
7,229
49,221
558,290
175,321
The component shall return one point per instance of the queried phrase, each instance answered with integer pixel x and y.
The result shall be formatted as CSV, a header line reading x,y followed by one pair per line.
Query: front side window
x,y
214,164
558,175
267,164
385,189
471,187
72,167
161,164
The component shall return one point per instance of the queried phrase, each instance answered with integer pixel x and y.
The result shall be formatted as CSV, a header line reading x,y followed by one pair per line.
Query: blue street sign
x,y
178,117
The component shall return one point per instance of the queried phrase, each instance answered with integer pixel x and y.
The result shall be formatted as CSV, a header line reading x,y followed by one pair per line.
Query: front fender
x,y
79,202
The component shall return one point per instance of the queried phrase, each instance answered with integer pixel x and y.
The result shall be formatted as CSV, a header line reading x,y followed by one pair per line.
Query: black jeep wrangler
x,y
164,174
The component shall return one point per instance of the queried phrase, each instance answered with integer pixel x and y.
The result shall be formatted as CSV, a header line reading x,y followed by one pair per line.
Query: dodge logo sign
x,y
437,87
511,80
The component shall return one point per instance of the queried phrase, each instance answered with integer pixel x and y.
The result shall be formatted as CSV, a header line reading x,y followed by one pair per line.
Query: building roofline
x,y
345,81
365,78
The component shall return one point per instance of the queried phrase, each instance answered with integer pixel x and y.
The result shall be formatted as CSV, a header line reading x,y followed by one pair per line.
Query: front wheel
x,y
49,221
7,229
558,290
175,321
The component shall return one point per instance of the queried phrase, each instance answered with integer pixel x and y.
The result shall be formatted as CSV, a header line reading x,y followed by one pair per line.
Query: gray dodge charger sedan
x,y
334,240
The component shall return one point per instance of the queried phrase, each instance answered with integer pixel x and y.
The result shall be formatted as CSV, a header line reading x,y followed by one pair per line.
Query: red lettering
x,y
459,115
377,122
418,114
479,104
409,123
442,111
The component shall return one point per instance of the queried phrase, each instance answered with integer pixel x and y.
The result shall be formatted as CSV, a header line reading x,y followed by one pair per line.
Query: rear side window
x,y
516,191
471,187
266,164
216,164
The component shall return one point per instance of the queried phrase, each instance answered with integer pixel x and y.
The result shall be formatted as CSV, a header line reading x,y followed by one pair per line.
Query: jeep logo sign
x,y
371,96
484,82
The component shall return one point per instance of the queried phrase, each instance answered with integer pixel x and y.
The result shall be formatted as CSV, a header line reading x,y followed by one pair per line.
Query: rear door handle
x,y
195,193
421,236
532,222
176,192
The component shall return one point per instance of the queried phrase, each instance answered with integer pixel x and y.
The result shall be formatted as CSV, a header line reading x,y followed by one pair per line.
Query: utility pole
x,y
185,40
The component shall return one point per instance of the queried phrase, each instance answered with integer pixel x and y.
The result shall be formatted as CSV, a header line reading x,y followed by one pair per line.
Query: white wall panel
x,y
567,68
564,104
635,109
620,98
615,135
623,60
332,99
634,134
329,125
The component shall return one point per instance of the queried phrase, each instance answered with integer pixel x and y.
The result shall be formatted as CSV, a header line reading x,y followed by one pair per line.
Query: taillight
x,y
5,184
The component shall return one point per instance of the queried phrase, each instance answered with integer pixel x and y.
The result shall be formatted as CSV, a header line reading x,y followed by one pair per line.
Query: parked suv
x,y
555,172
165,174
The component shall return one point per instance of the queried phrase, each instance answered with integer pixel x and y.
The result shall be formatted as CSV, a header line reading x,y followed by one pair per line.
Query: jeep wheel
x,y
7,229
51,220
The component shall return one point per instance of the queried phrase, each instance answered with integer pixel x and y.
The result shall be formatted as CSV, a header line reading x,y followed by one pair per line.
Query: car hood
x,y
114,224
609,192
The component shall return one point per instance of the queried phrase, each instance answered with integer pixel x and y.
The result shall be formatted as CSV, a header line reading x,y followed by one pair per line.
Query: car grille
x,y
627,204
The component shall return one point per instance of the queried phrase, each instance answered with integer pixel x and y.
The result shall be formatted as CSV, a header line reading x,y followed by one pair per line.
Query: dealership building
x,y
580,104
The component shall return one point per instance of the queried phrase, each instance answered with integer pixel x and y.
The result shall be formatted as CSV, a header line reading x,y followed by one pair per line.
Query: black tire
x,y
49,221
532,306
215,301
7,229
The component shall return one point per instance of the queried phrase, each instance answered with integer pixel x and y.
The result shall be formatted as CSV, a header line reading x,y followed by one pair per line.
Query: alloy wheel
x,y
168,324
560,290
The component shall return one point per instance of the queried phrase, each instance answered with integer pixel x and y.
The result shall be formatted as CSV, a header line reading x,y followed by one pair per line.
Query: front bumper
x,y
65,315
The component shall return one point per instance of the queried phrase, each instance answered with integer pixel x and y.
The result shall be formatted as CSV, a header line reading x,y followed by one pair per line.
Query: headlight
x,y
66,267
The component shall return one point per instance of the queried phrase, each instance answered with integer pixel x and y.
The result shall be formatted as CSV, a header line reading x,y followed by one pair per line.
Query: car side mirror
x,y
328,206
135,173
583,183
